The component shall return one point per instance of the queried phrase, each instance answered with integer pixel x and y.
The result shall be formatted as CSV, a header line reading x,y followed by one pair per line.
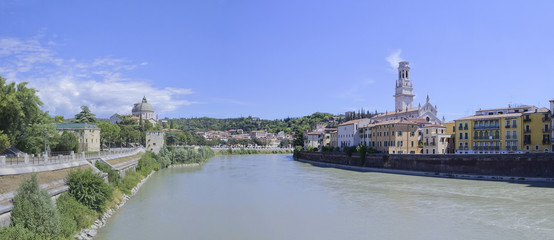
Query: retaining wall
x,y
514,165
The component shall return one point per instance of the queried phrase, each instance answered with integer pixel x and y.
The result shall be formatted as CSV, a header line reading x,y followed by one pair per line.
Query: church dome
x,y
144,106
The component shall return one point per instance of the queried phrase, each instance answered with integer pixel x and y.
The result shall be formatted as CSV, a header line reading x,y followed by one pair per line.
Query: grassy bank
x,y
89,197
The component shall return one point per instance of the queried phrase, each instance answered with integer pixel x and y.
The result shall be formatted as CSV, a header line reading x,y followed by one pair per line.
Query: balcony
x,y
507,126
546,130
527,119
527,142
508,137
460,128
465,128
514,126
527,130
546,119
485,127
546,142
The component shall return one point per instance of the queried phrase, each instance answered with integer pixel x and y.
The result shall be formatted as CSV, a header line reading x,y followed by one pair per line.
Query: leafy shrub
x,y
113,176
17,232
33,210
89,189
129,182
147,164
73,215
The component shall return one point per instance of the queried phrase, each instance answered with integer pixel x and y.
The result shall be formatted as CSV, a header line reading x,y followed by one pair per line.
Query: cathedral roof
x,y
397,112
143,106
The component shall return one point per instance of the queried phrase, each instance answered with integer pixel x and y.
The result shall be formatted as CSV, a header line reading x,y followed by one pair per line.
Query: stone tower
x,y
404,96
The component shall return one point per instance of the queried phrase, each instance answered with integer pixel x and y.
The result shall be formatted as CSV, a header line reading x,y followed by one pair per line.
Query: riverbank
x,y
89,233
517,168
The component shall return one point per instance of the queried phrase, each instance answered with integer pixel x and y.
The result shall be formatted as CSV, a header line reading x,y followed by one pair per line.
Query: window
x,y
514,134
426,131
399,133
465,136
412,143
465,126
536,147
461,136
508,134
514,123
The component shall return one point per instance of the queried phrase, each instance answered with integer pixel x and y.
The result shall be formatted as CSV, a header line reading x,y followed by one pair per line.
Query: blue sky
x,y
275,59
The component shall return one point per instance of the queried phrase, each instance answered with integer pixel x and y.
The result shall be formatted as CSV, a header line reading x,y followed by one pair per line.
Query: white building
x,y
348,133
435,139
404,98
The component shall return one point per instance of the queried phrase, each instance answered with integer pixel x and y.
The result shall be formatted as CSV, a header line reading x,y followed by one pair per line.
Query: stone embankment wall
x,y
511,165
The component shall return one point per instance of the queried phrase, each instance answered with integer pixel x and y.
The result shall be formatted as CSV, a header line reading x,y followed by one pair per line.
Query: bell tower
x,y
404,96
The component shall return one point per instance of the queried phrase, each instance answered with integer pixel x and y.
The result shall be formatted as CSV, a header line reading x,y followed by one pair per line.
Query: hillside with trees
x,y
248,124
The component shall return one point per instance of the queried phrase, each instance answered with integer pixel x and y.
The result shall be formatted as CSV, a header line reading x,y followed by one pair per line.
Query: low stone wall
x,y
512,165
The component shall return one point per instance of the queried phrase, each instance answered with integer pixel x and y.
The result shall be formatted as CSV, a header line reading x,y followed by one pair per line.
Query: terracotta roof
x,y
434,125
507,108
539,110
451,122
350,122
395,121
418,120
507,115
315,133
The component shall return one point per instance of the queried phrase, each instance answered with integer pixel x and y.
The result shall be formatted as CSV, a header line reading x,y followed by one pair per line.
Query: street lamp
x,y
45,151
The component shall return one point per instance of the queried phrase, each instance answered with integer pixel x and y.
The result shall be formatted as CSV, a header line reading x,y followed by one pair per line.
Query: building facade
x,y
552,125
348,133
537,131
395,137
505,130
314,140
435,139
88,135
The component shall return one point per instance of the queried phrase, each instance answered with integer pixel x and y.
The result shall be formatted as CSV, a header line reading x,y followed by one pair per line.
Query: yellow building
x,y
537,131
395,137
504,130
451,131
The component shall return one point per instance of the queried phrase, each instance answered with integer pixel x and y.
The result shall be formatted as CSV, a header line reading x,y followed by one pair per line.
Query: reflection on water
x,y
273,197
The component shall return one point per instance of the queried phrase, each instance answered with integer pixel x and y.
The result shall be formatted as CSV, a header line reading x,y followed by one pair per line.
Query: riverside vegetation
x,y
34,216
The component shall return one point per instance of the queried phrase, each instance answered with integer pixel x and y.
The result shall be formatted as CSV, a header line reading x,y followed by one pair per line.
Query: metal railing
x,y
62,157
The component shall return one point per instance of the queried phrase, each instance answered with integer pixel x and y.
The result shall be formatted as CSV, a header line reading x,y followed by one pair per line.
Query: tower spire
x,y
404,96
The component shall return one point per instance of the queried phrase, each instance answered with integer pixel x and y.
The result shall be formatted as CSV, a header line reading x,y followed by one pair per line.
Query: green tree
x,y
4,142
85,116
59,119
20,108
67,142
109,132
298,139
32,140
33,210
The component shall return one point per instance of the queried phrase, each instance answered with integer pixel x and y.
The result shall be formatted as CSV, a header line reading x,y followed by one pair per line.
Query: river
x,y
274,197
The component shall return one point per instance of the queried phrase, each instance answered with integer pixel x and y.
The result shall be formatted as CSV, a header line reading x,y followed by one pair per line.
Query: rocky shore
x,y
89,233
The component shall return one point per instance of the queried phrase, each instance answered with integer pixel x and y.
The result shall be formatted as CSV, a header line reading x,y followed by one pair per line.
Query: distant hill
x,y
248,124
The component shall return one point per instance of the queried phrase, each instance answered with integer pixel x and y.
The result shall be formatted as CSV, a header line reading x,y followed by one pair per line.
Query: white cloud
x,y
394,58
66,84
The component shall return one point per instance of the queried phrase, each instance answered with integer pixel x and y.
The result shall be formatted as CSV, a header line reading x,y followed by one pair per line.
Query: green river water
x,y
274,197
